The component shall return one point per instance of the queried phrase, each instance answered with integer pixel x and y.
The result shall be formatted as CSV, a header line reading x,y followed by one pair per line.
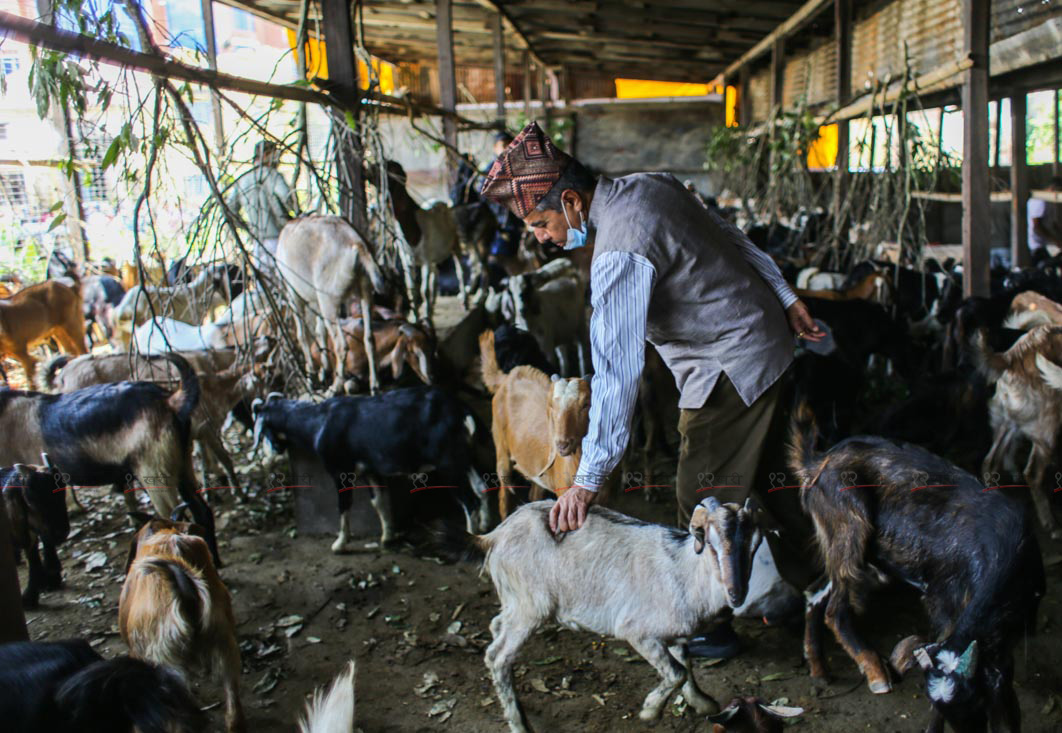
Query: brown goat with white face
x,y
538,425
174,609
1027,403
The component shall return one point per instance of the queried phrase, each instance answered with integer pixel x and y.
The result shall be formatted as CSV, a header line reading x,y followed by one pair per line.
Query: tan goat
x,y
174,609
1030,309
538,425
46,310
1027,402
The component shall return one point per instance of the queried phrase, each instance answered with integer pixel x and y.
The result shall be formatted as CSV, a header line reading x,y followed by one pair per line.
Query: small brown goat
x,y
398,344
47,310
1028,403
174,609
538,425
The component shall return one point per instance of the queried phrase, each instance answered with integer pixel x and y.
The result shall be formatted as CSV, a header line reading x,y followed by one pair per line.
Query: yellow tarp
x,y
317,65
645,89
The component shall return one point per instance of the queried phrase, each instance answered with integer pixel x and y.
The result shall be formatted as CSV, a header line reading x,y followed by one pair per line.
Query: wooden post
x,y
527,85
842,17
212,63
1058,148
343,82
447,77
778,73
999,134
976,218
12,620
1019,183
744,97
499,70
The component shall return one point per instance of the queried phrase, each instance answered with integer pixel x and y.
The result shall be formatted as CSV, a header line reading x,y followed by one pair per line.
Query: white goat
x,y
648,584
159,335
186,302
550,303
324,263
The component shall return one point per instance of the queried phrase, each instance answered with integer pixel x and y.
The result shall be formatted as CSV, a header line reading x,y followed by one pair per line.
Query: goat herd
x,y
964,397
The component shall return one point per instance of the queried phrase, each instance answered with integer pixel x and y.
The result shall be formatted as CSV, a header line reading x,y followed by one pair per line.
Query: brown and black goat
x,y
174,609
885,510
119,434
37,508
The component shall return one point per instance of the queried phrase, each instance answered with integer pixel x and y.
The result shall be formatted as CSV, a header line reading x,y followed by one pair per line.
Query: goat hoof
x,y
342,548
879,687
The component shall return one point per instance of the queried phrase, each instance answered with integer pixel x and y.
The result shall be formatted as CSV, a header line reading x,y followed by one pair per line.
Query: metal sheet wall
x,y
760,94
1011,17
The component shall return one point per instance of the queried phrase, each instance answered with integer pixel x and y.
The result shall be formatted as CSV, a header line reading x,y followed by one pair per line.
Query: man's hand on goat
x,y
569,512
802,323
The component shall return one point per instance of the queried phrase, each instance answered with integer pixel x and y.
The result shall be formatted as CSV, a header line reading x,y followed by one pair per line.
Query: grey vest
x,y
710,311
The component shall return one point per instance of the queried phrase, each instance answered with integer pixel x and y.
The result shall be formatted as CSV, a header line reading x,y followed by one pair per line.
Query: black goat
x,y
514,347
116,434
36,504
888,510
65,686
362,439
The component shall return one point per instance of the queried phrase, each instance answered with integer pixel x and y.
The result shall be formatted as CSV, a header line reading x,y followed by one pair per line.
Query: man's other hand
x,y
570,510
802,323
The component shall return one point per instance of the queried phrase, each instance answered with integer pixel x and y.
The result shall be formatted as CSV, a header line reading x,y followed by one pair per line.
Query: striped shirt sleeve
x,y
620,286
760,261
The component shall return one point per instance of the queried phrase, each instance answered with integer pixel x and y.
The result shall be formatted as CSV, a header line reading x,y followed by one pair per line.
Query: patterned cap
x,y
522,175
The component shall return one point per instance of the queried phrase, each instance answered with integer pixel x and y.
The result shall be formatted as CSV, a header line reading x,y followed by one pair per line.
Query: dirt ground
x,y
418,628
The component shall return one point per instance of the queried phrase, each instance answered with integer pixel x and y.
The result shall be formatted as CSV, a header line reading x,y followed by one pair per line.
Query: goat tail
x,y
51,370
459,545
492,374
989,363
185,399
190,604
332,711
803,434
126,694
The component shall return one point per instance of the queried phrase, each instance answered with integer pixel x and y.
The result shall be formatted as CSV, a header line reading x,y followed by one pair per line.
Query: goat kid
x,y
889,510
36,507
67,686
186,302
1027,403
113,434
397,433
174,609
538,425
651,585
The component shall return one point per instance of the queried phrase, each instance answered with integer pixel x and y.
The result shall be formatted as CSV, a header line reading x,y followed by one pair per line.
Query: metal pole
x,y
212,63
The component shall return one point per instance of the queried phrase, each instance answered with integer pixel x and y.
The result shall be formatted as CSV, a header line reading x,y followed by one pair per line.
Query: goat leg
x,y
839,619
381,502
31,596
370,344
346,499
201,512
230,665
936,721
814,621
673,675
53,569
462,285
702,702
509,635
1039,457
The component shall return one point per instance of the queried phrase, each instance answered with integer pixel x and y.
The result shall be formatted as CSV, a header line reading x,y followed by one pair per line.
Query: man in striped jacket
x,y
665,269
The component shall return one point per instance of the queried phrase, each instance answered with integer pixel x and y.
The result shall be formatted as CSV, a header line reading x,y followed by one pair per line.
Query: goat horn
x,y
750,505
968,661
46,460
711,504
175,515
781,711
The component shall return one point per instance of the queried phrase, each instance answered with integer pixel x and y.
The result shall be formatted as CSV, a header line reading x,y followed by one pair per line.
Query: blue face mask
x,y
576,237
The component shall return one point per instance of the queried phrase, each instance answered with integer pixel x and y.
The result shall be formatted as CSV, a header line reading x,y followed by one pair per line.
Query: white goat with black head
x,y
648,584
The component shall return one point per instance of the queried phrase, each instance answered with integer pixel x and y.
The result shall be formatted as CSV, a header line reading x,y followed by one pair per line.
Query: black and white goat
x,y
119,434
36,505
396,433
648,584
890,510
67,686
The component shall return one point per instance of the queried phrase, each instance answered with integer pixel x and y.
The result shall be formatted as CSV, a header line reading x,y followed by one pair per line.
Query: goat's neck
x,y
706,591
405,209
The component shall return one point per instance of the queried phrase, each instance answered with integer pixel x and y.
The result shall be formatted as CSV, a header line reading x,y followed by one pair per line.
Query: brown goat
x,y
46,310
537,425
1028,403
398,343
1031,309
174,609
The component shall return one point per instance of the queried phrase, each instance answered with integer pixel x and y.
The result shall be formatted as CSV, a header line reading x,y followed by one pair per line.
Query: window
x,y
242,20
13,189
9,64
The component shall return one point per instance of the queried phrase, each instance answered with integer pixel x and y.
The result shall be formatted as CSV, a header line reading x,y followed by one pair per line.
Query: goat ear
x,y
781,711
143,533
47,461
724,716
968,661
698,539
921,655
698,528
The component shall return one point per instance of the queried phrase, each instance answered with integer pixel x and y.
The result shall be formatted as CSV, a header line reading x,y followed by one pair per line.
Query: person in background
x,y
263,198
668,270
1045,223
